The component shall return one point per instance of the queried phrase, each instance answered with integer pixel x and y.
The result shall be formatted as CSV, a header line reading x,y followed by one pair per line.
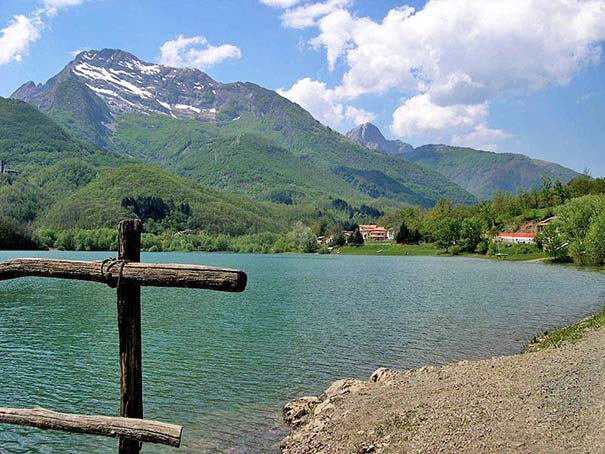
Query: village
x,y
373,233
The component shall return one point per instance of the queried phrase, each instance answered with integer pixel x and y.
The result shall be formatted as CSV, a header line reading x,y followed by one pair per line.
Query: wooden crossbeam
x,y
143,274
128,275
140,430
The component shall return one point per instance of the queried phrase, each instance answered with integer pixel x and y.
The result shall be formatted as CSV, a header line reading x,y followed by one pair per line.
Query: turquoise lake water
x,y
222,365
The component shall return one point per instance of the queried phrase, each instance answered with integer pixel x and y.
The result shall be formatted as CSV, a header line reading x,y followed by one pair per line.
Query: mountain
x,y
235,136
29,139
370,136
482,173
66,183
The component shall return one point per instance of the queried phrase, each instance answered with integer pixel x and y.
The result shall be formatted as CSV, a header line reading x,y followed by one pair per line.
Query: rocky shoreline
x,y
544,401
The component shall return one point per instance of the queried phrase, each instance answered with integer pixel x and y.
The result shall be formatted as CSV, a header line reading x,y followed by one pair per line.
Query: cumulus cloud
x,y
419,115
17,37
358,116
452,57
318,99
195,52
52,7
307,15
280,3
481,137
466,49
324,104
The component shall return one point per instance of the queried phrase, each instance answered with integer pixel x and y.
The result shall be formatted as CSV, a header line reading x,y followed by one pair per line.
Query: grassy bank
x,y
570,333
514,253
391,249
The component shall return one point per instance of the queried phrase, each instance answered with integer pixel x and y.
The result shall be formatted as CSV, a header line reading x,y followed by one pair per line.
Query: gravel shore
x,y
548,401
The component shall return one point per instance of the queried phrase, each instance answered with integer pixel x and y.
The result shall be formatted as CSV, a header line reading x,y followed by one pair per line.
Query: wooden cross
x,y
126,274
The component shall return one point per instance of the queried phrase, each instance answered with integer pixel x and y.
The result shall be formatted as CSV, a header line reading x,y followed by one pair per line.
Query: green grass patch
x,y
571,333
390,248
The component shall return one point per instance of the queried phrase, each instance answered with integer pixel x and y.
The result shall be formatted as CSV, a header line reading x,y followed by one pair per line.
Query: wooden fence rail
x,y
144,274
127,274
140,430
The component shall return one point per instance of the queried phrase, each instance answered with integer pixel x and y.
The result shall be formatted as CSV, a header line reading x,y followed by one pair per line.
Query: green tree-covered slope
x,y
102,204
483,173
29,139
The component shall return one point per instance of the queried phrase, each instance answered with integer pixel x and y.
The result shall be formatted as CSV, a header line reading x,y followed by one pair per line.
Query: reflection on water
x,y
223,364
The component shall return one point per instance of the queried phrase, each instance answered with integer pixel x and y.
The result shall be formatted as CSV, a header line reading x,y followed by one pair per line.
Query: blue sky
x,y
521,76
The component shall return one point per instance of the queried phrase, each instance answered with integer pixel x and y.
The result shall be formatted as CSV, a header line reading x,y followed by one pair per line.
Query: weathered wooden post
x,y
127,274
129,328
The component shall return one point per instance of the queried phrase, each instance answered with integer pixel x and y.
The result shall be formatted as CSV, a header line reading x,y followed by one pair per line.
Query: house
x,y
373,232
5,171
542,224
504,237
391,234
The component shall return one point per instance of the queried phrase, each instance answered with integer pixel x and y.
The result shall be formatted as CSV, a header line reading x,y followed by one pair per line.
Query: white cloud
x,y
195,52
318,99
307,15
453,57
52,7
358,116
419,115
466,49
324,104
481,137
17,37
280,3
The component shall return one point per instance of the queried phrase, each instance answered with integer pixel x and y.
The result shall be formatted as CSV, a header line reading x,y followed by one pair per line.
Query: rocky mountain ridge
x,y
482,173
370,136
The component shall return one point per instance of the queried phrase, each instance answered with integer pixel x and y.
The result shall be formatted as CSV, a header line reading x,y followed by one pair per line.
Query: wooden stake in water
x,y
129,328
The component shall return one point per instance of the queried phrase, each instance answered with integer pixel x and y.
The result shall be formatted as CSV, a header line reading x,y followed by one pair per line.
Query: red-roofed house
x,y
373,232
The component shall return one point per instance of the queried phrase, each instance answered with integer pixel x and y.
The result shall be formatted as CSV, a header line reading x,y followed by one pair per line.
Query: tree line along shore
x,y
575,235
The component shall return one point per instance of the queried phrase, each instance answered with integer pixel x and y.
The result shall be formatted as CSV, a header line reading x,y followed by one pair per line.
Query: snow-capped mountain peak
x,y
128,84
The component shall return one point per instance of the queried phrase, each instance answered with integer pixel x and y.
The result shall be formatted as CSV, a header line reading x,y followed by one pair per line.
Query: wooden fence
x,y
127,274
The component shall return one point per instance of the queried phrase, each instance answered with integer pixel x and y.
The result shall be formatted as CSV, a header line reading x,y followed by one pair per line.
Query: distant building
x,y
5,171
373,232
542,224
519,237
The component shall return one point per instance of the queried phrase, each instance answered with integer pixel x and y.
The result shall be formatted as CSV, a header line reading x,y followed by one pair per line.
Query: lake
x,y
222,365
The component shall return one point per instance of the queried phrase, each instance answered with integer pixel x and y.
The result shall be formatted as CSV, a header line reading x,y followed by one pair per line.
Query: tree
x,y
595,241
545,191
553,242
301,238
561,193
446,233
470,234
338,239
403,234
356,239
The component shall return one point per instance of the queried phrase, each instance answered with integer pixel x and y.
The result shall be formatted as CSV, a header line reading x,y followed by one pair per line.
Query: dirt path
x,y
549,401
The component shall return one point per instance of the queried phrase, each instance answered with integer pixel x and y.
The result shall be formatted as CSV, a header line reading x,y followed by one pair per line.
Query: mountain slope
x,y
210,120
101,203
370,136
29,139
65,183
482,173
